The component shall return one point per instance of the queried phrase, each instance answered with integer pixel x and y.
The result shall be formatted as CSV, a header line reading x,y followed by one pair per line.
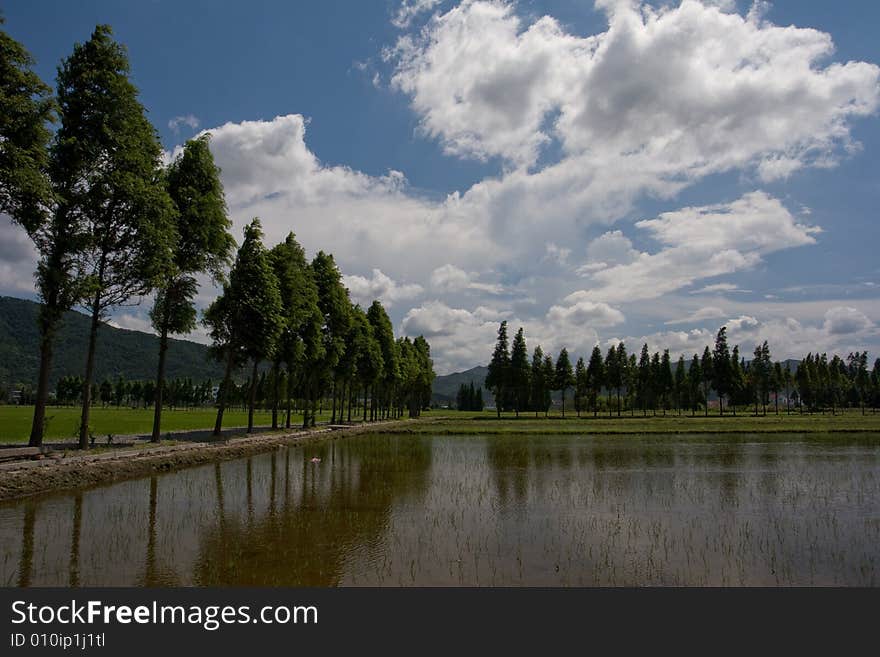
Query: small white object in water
x,y
315,459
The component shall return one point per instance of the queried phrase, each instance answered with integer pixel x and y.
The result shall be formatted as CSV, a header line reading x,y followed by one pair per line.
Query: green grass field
x,y
15,421
462,422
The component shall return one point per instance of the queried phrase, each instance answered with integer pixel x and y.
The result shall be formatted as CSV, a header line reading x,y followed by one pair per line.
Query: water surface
x,y
493,510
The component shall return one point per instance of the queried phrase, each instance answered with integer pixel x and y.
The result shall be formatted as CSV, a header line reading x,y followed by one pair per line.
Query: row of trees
x,y
111,224
178,393
469,398
297,316
651,381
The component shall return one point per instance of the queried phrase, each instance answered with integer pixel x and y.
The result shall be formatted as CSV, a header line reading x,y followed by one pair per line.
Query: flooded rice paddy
x,y
486,511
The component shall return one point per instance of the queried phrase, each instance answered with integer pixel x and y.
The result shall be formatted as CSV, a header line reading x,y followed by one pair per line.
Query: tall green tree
x,y
581,385
26,111
595,377
564,375
537,384
106,169
680,385
26,195
548,373
203,244
667,382
384,335
707,369
498,376
247,319
519,372
613,374
299,344
335,307
644,378
695,383
622,374
722,373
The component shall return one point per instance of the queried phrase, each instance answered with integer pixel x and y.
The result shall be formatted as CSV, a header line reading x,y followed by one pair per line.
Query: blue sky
x,y
591,171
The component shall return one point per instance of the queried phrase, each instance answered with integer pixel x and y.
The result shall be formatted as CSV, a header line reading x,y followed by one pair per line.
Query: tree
x,y
581,385
29,198
537,384
695,383
384,335
498,376
722,374
644,378
519,372
667,382
246,320
335,307
707,369
26,109
621,375
368,361
203,244
680,386
299,345
564,375
613,374
737,382
595,377
548,373
656,382
106,172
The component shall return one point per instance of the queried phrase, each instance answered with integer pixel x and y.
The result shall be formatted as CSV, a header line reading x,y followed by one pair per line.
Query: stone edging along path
x,y
77,470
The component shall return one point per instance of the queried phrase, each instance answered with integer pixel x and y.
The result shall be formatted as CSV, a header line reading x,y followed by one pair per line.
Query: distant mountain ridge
x,y
446,386
134,355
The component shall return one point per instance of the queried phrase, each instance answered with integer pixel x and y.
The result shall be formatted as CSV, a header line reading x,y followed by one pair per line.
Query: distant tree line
x,y
110,223
618,382
469,398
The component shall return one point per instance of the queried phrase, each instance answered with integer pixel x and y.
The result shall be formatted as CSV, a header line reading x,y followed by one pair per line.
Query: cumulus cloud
x,y
379,286
844,320
686,90
703,242
449,278
411,9
187,119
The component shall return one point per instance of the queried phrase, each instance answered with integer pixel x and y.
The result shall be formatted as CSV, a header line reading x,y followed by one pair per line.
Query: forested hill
x,y
132,354
446,387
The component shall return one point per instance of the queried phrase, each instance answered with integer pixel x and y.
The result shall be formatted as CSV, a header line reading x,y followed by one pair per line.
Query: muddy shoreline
x,y
26,478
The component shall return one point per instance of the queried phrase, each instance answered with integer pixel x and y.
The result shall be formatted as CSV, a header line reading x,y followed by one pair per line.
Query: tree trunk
x,y
252,398
366,392
276,390
224,393
333,411
39,421
90,372
160,383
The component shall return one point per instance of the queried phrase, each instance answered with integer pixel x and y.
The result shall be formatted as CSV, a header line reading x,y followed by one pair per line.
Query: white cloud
x,y
379,286
701,315
844,320
718,287
685,90
187,119
410,9
449,278
703,242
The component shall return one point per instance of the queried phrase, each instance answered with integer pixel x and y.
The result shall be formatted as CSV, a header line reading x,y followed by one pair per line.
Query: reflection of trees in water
x,y
154,574
26,559
75,536
344,503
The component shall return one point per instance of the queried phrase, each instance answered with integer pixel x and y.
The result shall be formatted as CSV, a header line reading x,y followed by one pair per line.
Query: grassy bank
x,y
15,421
454,422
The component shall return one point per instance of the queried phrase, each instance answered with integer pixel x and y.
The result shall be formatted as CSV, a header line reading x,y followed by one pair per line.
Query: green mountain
x,y
446,387
132,354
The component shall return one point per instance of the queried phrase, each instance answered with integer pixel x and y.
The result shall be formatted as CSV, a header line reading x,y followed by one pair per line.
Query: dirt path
x,y
62,471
